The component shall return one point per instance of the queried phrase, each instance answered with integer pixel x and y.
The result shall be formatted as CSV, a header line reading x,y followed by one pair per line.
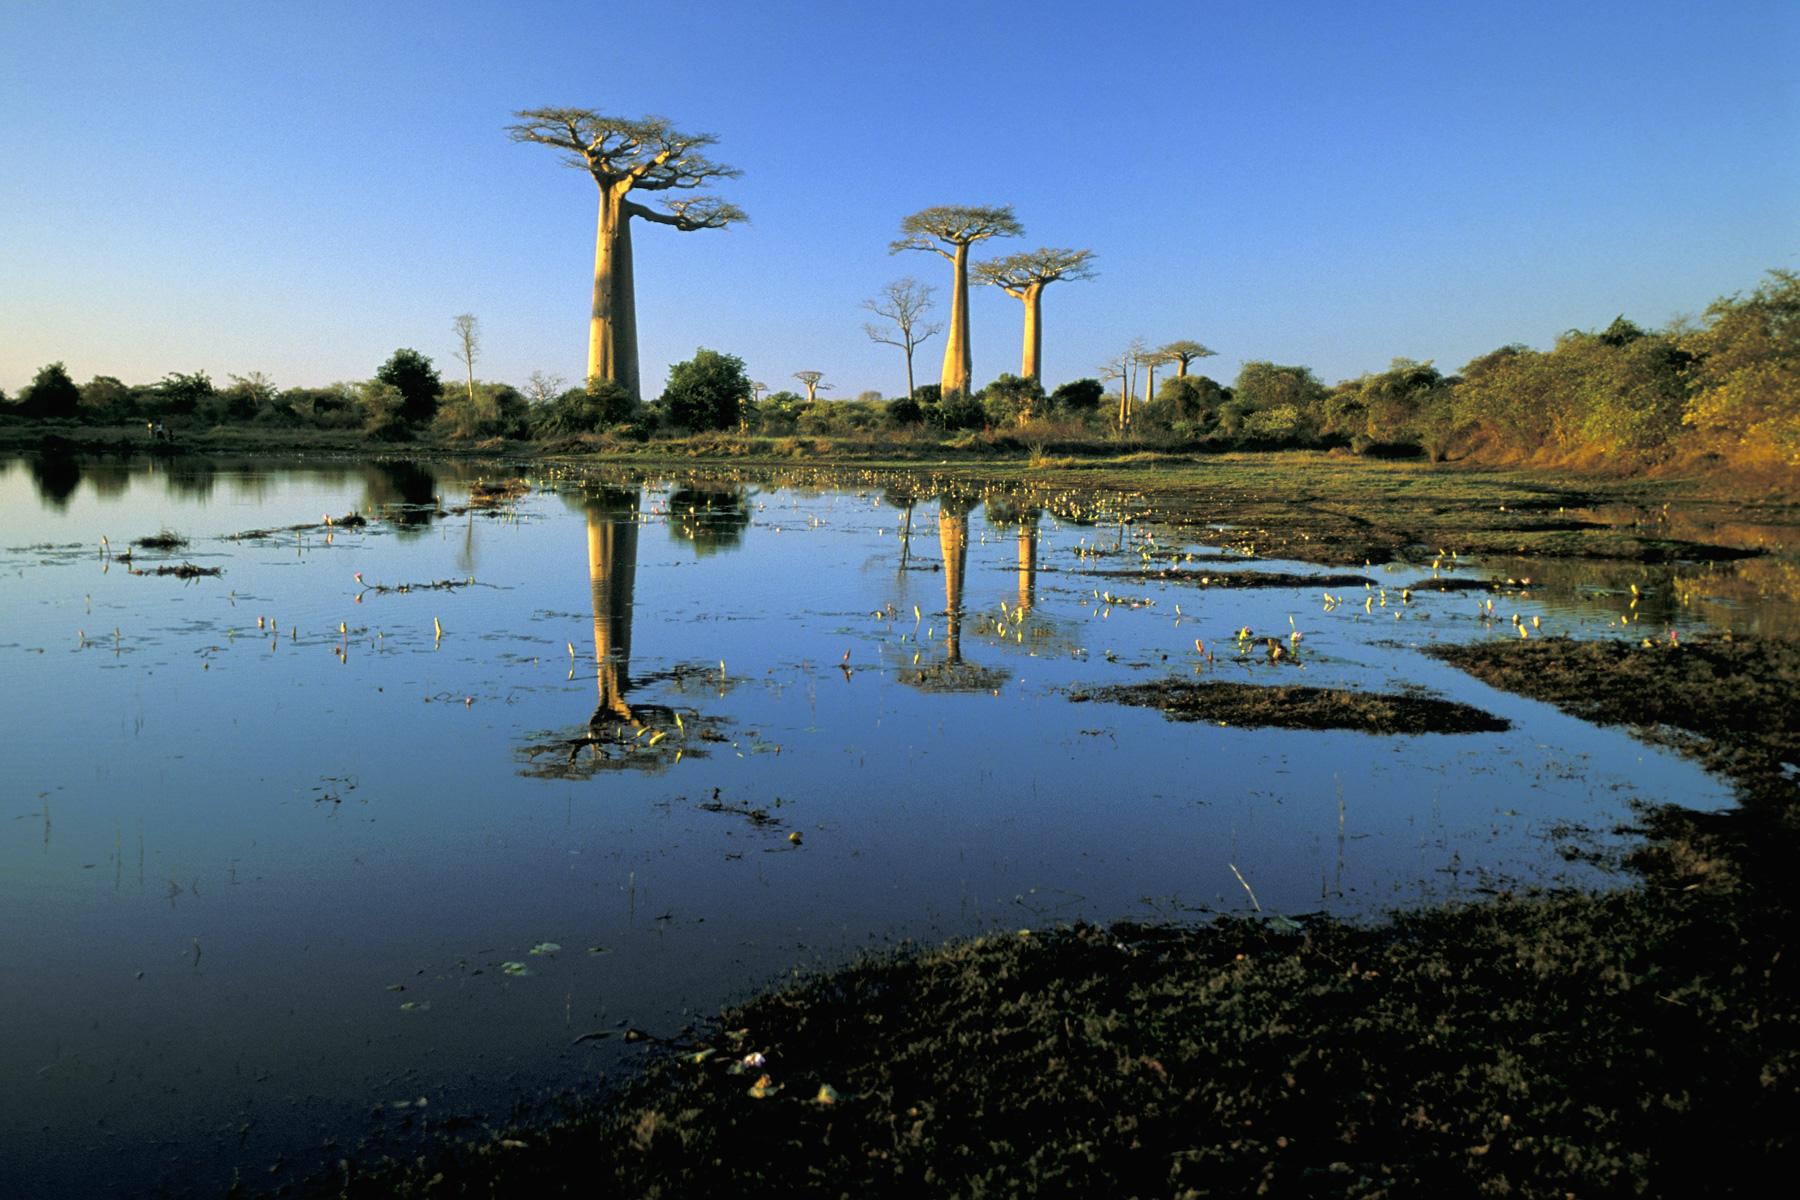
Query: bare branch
x,y
699,212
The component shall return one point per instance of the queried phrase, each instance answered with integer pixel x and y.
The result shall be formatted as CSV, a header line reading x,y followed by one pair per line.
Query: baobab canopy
x,y
623,156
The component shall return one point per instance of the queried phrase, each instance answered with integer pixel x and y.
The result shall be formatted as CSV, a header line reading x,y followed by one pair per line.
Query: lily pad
x,y
515,968
543,948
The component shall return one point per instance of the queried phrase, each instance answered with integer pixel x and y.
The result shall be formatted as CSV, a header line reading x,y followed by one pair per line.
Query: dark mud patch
x,y
1252,706
186,570
1242,579
1613,1044
1458,583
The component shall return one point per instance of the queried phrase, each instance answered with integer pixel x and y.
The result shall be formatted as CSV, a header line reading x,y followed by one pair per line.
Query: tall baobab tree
x,y
468,346
903,304
626,156
1182,353
810,381
957,227
1024,277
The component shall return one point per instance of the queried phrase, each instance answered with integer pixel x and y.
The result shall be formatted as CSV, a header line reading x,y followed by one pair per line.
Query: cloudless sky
x,y
300,188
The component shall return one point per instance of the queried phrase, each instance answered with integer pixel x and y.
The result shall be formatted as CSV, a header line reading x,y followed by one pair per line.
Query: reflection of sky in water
x,y
223,850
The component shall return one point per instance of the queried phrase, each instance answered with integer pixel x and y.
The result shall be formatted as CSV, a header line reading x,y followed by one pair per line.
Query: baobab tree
x,y
1182,353
1024,277
902,302
957,227
1150,360
810,381
625,156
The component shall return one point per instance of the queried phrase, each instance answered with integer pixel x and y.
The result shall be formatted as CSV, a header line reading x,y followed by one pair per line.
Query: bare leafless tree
x,y
902,303
542,388
468,346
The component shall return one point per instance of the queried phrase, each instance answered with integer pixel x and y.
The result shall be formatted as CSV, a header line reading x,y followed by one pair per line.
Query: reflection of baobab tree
x,y
709,521
612,529
954,673
620,734
953,542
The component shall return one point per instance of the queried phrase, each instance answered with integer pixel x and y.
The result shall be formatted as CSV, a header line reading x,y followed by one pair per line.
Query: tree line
x,y
1728,385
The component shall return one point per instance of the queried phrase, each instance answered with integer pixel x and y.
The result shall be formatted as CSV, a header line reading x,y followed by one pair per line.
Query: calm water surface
x,y
281,863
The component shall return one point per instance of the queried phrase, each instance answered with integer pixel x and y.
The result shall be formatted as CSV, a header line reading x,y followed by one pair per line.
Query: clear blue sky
x,y
301,188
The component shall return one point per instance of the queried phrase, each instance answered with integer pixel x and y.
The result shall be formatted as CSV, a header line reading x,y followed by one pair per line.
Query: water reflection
x,y
623,733
56,476
404,493
709,520
612,537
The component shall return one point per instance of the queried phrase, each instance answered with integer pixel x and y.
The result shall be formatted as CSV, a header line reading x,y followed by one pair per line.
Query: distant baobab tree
x,y
1024,277
1182,353
1150,360
625,156
757,388
902,302
959,228
810,381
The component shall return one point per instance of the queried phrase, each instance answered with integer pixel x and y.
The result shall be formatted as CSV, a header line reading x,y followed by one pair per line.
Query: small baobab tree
x,y
1182,353
625,156
810,381
902,304
957,227
1024,277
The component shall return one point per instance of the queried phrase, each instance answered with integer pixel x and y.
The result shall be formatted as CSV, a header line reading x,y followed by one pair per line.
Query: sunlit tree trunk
x,y
612,328
958,363
612,575
1032,361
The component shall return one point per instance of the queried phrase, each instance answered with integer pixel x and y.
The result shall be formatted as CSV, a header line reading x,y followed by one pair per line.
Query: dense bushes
x,y
1726,389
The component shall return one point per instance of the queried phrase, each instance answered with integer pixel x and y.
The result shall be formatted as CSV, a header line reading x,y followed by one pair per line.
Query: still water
x,y
368,830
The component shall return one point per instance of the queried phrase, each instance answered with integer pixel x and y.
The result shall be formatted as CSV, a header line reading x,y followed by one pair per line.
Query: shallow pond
x,y
388,823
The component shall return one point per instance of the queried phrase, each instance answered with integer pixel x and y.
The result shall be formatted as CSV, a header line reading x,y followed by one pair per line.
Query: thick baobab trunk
x,y
612,328
1149,383
1180,367
1032,361
958,363
612,573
